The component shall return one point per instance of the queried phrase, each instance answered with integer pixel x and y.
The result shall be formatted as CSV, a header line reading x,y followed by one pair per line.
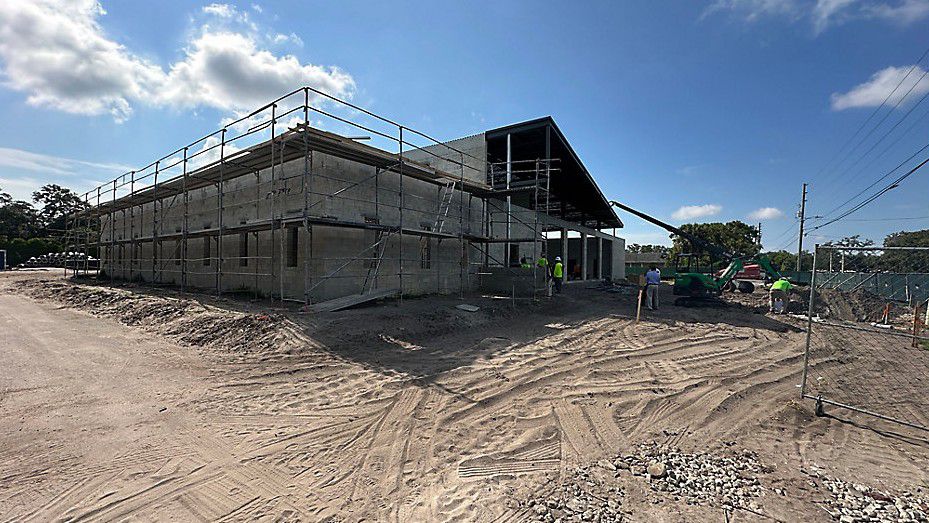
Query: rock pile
x,y
698,478
580,497
854,503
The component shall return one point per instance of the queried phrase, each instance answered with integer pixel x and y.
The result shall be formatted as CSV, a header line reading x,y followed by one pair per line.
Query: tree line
x,y
742,240
39,226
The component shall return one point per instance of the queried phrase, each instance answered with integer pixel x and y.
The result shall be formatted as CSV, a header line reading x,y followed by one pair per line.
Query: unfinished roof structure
x,y
273,204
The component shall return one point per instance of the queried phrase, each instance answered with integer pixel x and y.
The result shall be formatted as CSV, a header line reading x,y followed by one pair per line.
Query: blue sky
x,y
686,110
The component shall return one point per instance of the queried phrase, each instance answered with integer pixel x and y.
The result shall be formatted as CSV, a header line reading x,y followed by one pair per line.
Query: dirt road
x,y
425,413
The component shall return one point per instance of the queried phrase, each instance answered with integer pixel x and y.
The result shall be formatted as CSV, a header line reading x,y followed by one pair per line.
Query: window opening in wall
x,y
292,240
514,254
206,251
426,254
243,249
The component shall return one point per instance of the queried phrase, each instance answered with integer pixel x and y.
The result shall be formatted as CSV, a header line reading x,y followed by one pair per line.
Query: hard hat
x,y
557,258
783,277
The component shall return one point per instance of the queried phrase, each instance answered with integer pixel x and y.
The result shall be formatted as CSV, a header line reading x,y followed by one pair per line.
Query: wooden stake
x,y
638,307
915,326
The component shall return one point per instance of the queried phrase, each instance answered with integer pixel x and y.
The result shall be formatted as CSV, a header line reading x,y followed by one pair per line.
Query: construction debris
x,y
60,260
698,478
579,497
853,502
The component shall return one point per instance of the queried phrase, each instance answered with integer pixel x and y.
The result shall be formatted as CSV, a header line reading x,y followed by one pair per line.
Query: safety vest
x,y
559,270
543,262
526,265
781,285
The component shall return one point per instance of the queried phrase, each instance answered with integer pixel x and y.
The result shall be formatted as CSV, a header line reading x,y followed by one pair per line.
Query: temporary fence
x,y
867,346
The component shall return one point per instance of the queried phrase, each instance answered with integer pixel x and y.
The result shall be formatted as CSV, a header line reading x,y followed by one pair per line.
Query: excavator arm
x,y
710,248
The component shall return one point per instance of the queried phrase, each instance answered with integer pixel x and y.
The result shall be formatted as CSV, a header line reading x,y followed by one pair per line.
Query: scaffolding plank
x,y
352,300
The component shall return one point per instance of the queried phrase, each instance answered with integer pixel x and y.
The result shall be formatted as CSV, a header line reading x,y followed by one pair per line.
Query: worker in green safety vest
x,y
780,291
542,263
558,274
524,263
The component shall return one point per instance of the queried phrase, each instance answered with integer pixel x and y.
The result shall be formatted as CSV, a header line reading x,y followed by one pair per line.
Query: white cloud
x,y
880,85
689,212
77,174
222,10
281,38
905,12
822,14
57,53
766,213
29,161
826,12
752,10
228,71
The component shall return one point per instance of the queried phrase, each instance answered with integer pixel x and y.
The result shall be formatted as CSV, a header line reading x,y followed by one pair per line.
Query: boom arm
x,y
711,248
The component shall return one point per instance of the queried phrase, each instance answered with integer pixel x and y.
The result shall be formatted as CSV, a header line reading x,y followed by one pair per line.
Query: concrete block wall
x,y
444,158
250,198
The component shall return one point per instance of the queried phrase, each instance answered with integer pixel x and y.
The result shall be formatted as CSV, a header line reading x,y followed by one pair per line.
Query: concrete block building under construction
x,y
276,206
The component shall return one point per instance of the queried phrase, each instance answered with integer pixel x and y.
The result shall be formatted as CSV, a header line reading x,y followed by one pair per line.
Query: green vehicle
x,y
694,283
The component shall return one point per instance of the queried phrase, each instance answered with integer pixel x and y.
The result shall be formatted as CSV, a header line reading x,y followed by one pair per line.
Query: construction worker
x,y
652,281
780,290
558,274
524,263
542,263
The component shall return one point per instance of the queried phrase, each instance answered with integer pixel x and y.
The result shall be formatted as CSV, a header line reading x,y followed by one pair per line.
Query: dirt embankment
x,y
186,320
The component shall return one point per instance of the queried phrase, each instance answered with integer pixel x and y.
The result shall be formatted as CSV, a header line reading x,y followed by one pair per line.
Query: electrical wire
x,y
873,113
879,180
875,196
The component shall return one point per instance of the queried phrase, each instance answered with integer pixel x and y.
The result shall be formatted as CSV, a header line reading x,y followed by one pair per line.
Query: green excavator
x,y
695,287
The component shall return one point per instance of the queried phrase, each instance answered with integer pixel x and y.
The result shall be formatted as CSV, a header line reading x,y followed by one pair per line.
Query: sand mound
x,y
858,305
188,321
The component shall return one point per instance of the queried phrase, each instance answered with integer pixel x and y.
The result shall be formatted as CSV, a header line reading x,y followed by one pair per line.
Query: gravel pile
x,y
698,478
580,497
854,503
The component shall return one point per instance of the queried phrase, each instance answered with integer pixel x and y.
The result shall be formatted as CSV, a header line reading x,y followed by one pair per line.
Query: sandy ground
x,y
158,405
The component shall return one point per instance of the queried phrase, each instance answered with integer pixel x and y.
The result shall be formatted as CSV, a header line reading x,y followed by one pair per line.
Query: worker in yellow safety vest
x,y
780,291
558,274
524,263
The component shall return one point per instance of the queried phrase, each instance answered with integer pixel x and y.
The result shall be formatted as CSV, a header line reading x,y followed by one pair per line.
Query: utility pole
x,y
802,217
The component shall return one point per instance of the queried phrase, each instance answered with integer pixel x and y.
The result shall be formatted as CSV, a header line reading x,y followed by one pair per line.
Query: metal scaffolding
x,y
212,172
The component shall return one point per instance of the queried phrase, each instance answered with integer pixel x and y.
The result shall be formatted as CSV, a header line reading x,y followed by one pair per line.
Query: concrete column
x,y
599,258
564,250
583,256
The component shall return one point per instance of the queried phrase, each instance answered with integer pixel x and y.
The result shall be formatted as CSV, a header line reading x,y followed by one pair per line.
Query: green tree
x,y
18,220
735,237
636,248
906,261
57,203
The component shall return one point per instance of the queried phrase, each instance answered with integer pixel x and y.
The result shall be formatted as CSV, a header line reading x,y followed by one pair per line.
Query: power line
x,y
875,196
890,146
888,219
884,118
894,127
873,113
879,180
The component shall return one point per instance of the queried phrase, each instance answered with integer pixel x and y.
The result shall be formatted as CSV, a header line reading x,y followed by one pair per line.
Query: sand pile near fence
x,y
185,320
